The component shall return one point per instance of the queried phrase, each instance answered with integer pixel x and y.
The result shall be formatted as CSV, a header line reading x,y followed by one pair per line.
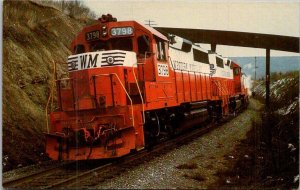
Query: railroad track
x,y
28,177
97,175
60,177
43,177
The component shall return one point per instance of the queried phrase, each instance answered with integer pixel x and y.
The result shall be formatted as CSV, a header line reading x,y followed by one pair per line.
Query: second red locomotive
x,y
130,86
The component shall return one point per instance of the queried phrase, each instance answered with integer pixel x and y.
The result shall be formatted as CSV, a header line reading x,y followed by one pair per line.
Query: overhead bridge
x,y
243,39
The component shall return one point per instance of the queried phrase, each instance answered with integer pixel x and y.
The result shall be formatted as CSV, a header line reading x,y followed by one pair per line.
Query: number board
x,y
94,35
121,31
163,70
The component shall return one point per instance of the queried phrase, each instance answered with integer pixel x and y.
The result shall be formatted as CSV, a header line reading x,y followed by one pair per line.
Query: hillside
x,y
269,157
34,36
284,93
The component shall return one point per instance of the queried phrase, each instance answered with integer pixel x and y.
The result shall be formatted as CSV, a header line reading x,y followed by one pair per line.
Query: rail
x,y
13,183
111,74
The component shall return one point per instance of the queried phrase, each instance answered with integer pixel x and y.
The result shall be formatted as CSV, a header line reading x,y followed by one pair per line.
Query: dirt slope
x,y
33,37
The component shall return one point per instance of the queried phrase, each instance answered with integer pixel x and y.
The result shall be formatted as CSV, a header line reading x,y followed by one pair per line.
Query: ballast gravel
x,y
209,152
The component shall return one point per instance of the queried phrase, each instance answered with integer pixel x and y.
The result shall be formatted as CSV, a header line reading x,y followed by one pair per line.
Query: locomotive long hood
x,y
101,59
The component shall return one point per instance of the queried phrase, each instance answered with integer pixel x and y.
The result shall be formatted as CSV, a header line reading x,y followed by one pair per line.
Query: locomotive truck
x,y
130,86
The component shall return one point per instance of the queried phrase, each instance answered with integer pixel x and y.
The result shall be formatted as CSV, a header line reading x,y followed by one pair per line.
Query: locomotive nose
x,y
97,135
102,137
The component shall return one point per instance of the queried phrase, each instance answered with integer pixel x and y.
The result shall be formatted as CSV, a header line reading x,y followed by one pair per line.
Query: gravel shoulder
x,y
194,165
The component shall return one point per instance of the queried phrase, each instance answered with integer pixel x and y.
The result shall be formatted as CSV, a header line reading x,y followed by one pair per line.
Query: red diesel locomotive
x,y
130,86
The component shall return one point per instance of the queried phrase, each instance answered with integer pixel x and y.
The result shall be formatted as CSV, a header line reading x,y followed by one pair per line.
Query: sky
x,y
269,17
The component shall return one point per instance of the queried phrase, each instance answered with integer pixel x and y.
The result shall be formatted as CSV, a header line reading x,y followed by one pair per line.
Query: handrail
x,y
50,96
138,86
63,79
123,89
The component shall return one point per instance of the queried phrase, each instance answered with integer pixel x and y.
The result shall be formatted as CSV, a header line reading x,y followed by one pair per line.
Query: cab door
x,y
162,66
237,79
145,58
161,91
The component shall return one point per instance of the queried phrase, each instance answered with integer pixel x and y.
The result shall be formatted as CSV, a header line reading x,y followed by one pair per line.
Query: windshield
x,y
113,44
236,71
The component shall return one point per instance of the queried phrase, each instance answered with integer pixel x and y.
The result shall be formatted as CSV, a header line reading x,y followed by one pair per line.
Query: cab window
x,y
228,62
100,46
122,44
143,45
220,62
113,44
236,71
161,52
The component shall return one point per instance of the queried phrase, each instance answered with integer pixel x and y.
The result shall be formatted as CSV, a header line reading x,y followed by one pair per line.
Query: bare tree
x,y
73,8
